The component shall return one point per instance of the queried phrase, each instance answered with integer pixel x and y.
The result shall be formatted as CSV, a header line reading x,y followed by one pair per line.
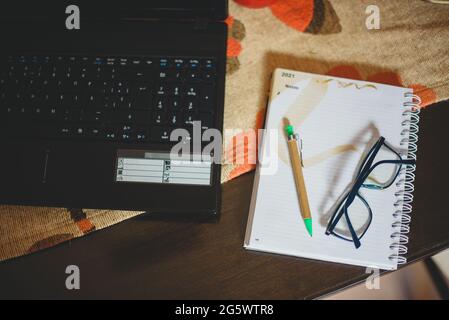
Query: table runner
x,y
321,36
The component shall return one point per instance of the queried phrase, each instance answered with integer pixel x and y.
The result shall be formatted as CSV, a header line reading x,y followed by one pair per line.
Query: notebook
x,y
338,120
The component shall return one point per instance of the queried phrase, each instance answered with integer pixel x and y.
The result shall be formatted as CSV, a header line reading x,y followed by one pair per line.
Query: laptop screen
x,y
153,9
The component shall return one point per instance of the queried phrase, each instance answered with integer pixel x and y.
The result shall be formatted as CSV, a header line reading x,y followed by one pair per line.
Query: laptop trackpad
x,y
82,166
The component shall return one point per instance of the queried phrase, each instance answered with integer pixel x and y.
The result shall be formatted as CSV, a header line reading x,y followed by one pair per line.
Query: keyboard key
x,y
175,104
164,75
18,98
194,64
110,134
110,102
191,91
64,131
136,61
23,112
38,112
123,62
96,115
70,115
193,76
142,97
125,132
125,136
79,131
208,76
175,90
7,112
162,89
175,119
159,117
131,116
52,113
121,89
140,135
189,118
178,75
31,99
137,74
160,134
126,128
160,104
179,63
209,65
207,98
93,100
94,132
148,62
124,102
93,84
190,104
164,63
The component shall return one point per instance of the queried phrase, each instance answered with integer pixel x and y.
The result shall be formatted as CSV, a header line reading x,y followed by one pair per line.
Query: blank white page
x,y
338,120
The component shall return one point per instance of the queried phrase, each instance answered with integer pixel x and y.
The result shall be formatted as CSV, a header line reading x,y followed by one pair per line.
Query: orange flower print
x,y
81,220
236,34
256,3
313,16
244,163
427,95
50,242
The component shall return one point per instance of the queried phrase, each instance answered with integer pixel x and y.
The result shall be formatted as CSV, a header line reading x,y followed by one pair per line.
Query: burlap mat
x,y
327,37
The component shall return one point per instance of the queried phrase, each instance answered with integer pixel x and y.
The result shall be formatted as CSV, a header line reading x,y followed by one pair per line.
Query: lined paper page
x,y
338,120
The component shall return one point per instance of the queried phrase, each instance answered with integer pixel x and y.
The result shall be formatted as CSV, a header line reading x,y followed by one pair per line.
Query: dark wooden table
x,y
157,257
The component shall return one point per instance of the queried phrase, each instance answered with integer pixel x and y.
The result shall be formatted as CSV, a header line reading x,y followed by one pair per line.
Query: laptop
x,y
87,114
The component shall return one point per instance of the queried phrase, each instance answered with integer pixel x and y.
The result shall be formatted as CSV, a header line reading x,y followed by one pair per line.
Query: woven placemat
x,y
327,37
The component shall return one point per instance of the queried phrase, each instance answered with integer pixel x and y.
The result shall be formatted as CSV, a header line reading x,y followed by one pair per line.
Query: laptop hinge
x,y
201,24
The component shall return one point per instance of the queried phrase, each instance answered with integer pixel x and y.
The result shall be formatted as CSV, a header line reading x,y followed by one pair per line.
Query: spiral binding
x,y
403,204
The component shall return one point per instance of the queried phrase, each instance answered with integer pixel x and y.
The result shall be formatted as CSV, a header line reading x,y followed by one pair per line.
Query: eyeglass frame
x,y
365,170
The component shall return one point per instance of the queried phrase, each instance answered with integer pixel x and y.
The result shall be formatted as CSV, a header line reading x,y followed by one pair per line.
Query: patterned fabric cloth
x,y
319,36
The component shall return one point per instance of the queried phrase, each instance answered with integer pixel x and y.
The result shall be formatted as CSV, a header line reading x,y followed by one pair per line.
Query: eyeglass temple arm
x,y
355,239
331,228
372,154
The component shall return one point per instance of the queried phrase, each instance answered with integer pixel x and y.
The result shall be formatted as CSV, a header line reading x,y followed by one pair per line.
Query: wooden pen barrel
x,y
295,158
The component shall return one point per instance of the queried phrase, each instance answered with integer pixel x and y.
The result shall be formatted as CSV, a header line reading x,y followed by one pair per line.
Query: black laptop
x,y
86,115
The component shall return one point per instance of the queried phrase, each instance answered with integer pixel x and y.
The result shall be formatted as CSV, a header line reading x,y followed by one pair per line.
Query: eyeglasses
x,y
378,171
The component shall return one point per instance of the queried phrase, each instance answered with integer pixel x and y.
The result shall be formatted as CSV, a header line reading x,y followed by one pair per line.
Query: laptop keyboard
x,y
120,99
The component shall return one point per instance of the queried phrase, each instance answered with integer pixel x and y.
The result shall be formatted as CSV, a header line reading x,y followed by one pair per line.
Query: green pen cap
x,y
289,130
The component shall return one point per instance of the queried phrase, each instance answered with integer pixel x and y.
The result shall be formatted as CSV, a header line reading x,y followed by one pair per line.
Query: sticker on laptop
x,y
158,167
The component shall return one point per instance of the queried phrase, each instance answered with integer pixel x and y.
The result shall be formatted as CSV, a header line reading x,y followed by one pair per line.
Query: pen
x,y
296,161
